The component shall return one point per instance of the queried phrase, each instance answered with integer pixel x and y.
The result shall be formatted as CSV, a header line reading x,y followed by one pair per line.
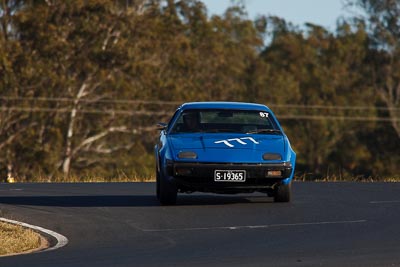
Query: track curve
x,y
121,224
59,240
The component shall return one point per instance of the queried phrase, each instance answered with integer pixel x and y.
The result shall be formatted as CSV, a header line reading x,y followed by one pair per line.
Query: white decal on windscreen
x,y
228,142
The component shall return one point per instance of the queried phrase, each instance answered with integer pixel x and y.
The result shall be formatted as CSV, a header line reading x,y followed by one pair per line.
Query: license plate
x,y
229,176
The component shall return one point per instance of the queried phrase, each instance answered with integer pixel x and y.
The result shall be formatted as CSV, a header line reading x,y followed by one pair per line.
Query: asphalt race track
x,y
122,224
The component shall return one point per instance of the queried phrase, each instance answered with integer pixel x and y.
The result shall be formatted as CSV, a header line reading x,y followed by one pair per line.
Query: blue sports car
x,y
223,147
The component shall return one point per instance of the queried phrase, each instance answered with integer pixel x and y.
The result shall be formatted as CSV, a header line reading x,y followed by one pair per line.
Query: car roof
x,y
224,105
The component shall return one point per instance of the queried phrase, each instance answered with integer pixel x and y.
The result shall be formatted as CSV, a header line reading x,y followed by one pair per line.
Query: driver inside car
x,y
191,122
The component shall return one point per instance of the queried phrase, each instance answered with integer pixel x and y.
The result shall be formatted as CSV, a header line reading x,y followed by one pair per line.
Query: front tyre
x,y
283,193
166,192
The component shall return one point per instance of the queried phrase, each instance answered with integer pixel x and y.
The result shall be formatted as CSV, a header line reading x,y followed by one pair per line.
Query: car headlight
x,y
187,155
272,156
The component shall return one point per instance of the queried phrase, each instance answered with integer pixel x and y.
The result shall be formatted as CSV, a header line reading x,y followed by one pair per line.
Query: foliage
x,y
82,83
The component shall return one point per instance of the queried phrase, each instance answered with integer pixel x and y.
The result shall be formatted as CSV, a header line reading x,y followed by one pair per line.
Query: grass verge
x,y
17,239
82,179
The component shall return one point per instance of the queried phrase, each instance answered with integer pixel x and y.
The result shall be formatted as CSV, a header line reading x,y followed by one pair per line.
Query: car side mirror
x,y
161,126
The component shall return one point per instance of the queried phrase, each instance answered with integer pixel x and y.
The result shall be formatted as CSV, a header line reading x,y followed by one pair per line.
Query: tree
x,y
77,47
383,20
316,69
82,83
13,64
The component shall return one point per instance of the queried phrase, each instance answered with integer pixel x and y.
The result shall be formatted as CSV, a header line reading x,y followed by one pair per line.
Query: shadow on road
x,y
127,201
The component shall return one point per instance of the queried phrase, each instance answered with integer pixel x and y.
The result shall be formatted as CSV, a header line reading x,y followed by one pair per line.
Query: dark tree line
x,y
82,83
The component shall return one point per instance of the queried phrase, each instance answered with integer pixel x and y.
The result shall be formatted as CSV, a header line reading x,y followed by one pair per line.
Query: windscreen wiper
x,y
264,131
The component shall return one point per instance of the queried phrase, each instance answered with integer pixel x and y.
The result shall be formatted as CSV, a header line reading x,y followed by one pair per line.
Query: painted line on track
x,y
61,240
385,202
242,227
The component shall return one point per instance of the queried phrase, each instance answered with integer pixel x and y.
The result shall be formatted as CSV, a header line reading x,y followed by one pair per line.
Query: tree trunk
x,y
66,166
391,97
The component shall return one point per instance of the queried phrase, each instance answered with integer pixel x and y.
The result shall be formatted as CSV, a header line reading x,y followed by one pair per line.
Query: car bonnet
x,y
232,147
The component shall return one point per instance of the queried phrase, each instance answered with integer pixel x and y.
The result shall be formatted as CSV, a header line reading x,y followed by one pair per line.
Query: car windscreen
x,y
221,120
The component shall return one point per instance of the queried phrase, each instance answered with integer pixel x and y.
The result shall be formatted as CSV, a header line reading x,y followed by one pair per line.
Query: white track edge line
x,y
61,240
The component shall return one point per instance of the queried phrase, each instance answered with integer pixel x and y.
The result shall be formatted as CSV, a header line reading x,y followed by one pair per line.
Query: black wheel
x,y
283,193
166,192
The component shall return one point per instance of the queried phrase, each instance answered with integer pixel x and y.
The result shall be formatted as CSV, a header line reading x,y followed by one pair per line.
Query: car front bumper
x,y
189,176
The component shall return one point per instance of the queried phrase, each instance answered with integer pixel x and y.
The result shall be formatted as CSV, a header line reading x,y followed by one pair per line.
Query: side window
x,y
187,122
